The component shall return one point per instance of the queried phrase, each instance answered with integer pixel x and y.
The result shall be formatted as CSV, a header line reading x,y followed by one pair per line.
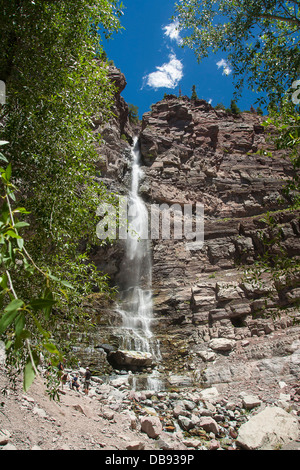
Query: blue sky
x,y
148,52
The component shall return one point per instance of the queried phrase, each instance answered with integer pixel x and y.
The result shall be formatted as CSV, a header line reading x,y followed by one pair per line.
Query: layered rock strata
x,y
196,154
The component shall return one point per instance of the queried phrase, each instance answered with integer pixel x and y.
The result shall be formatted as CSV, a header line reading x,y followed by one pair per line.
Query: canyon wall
x,y
214,325
206,311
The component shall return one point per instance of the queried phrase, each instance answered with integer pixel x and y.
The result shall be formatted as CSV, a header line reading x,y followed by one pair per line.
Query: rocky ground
x,y
113,417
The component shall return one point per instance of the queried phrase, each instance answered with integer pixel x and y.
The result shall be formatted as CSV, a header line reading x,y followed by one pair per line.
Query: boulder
x,y
250,401
221,344
185,423
151,425
209,424
129,359
268,430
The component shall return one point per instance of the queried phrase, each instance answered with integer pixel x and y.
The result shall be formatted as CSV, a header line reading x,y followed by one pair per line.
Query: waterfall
x,y
135,301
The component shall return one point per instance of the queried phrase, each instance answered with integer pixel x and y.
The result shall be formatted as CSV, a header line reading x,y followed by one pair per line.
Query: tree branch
x,y
269,16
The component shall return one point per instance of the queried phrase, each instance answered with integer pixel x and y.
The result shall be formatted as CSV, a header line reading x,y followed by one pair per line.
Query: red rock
x,y
214,444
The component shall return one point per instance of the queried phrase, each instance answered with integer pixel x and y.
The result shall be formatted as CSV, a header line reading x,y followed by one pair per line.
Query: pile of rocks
x,y
191,418
204,420
114,416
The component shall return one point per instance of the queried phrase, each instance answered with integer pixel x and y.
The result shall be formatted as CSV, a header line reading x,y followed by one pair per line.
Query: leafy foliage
x,y
133,113
194,93
260,37
20,322
220,106
287,137
234,109
56,80
54,87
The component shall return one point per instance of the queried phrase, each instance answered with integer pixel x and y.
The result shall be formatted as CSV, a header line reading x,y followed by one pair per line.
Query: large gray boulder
x,y
270,429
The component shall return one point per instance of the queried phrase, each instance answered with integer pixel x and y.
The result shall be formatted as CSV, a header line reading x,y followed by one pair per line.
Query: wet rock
x,y
131,359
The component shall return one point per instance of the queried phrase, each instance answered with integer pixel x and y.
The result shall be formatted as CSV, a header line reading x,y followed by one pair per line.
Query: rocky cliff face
x,y
213,325
194,153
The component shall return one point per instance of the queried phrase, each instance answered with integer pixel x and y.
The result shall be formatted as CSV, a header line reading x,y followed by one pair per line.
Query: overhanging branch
x,y
269,16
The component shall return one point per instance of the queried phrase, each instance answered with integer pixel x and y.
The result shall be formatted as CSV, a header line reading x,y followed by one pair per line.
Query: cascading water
x,y
135,305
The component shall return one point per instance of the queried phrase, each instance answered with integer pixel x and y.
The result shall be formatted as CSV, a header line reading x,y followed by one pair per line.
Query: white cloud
x,y
166,76
226,68
173,32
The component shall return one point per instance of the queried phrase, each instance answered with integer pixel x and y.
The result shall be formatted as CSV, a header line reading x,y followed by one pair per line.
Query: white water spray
x,y
136,307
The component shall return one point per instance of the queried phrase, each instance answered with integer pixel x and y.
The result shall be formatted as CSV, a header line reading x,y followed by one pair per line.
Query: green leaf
x,y
29,376
37,304
3,158
10,313
21,224
11,252
20,242
3,142
12,234
8,344
20,323
6,320
15,304
5,215
50,347
48,295
8,172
